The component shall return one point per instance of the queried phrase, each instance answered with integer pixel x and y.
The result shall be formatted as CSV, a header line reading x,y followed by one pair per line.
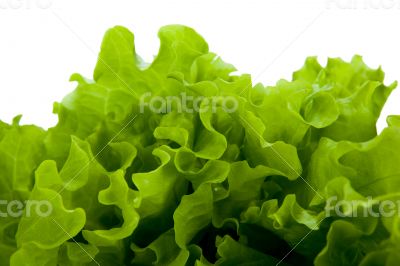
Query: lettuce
x,y
241,174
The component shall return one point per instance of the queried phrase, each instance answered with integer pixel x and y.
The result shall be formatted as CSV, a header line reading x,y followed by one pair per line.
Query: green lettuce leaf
x,y
181,161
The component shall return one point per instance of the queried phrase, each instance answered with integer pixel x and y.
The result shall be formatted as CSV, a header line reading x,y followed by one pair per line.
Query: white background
x,y
44,41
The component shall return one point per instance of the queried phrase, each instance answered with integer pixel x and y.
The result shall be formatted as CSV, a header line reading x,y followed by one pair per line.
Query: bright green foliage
x,y
246,186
